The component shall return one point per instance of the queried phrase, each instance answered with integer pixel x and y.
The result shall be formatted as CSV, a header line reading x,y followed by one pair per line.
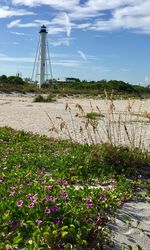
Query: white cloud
x,y
10,12
123,14
18,33
146,79
82,25
56,30
68,63
64,62
83,56
68,24
59,24
63,21
17,23
6,58
57,4
135,16
62,41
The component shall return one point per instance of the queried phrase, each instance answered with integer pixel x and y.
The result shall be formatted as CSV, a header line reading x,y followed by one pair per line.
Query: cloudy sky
x,y
89,39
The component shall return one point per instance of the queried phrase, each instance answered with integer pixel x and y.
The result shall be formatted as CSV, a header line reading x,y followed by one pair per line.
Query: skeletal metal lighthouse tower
x,y
42,71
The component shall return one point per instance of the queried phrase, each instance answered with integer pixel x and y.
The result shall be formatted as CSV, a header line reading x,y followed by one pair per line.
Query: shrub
x,y
40,98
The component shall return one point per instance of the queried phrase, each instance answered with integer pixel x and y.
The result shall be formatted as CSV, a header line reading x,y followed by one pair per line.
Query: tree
x,y
3,79
15,80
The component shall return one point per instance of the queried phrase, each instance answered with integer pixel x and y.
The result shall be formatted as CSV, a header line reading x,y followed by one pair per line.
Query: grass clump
x,y
47,195
93,115
40,98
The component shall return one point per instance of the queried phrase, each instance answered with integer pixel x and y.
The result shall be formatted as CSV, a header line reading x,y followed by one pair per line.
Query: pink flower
x,y
103,198
49,187
58,220
55,208
64,194
19,203
121,203
89,205
18,165
34,198
28,196
14,223
38,222
42,202
49,198
31,205
47,210
86,199
98,219
63,182
29,183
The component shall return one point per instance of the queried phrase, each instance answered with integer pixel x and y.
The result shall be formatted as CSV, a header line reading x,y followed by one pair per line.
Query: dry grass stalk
x,y
113,127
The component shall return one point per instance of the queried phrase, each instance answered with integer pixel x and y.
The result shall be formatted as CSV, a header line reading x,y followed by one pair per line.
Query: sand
x,y
19,112
131,234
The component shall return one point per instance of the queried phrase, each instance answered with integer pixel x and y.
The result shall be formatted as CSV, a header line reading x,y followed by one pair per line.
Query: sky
x,y
88,39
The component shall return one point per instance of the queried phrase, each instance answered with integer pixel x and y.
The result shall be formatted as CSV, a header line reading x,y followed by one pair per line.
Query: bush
x,y
40,98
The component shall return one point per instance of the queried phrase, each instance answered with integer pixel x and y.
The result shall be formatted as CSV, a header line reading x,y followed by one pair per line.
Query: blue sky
x,y
88,39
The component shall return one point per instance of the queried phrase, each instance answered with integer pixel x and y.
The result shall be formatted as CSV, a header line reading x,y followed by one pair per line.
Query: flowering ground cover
x,y
60,195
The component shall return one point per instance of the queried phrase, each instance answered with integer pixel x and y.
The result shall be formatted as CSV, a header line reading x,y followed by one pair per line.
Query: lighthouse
x,y
42,71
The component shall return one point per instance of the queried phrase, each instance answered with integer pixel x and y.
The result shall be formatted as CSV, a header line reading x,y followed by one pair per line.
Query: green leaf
x,y
127,217
46,234
138,223
31,222
64,233
71,225
68,246
54,232
36,233
64,228
139,247
17,239
84,242
6,215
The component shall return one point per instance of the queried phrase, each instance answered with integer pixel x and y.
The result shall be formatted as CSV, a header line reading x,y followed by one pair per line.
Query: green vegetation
x,y
94,115
60,195
120,89
40,98
74,86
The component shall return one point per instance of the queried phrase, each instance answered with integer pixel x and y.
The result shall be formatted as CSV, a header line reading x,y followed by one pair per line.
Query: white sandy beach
x,y
19,112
